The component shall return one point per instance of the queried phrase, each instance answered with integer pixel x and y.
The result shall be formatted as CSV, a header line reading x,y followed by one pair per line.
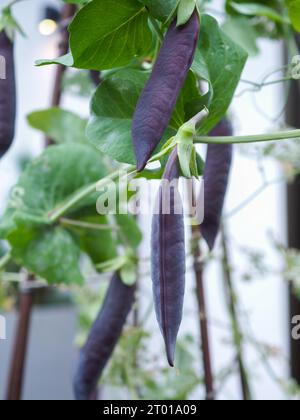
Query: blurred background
x,y
256,232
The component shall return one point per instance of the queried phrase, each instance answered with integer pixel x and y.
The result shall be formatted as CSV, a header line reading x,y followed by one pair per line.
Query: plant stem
x,y
265,84
200,293
12,3
64,207
198,268
232,308
68,11
157,29
136,325
71,202
5,260
283,135
85,225
16,373
253,196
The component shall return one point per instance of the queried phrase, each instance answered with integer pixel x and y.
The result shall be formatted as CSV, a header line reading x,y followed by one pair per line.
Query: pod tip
x,y
209,236
170,350
141,166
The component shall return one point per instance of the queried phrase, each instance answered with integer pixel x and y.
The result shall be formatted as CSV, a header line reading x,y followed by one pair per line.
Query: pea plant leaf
x,y
113,106
185,11
255,9
129,229
220,61
46,182
161,9
59,125
99,245
294,13
65,60
246,35
112,109
101,39
49,253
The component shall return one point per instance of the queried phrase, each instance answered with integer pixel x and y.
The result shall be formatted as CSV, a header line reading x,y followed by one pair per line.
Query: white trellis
x,y
2,328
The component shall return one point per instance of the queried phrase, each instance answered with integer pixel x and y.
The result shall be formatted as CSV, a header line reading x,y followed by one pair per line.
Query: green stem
x,y
5,260
12,3
157,29
82,194
71,202
283,135
265,84
253,196
233,311
86,225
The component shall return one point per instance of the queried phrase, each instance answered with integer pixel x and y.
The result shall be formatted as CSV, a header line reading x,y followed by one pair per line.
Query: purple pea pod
x,y
7,93
103,338
216,177
158,99
95,77
168,257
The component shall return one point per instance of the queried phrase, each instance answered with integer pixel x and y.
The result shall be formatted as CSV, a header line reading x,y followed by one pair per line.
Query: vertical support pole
x,y
293,211
201,298
68,11
200,292
17,368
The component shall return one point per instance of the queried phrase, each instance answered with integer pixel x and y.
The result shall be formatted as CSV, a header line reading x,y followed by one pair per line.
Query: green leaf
x,y
112,109
220,61
65,60
100,245
161,9
294,14
239,29
59,125
56,175
108,34
189,103
254,9
50,253
185,11
129,230
200,165
112,265
9,24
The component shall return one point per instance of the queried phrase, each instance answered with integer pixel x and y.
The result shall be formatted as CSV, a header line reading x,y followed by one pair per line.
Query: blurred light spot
x,y
47,27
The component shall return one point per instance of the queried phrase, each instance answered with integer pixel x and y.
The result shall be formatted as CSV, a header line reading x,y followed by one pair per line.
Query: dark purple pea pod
x,y
103,338
168,257
7,94
95,77
157,102
216,177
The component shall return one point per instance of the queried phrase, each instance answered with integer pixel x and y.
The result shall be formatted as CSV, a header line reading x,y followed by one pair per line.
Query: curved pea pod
x,y
158,99
103,337
7,93
216,177
168,257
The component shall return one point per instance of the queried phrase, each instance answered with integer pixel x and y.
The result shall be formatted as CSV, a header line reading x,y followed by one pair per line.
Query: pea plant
x,y
162,75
